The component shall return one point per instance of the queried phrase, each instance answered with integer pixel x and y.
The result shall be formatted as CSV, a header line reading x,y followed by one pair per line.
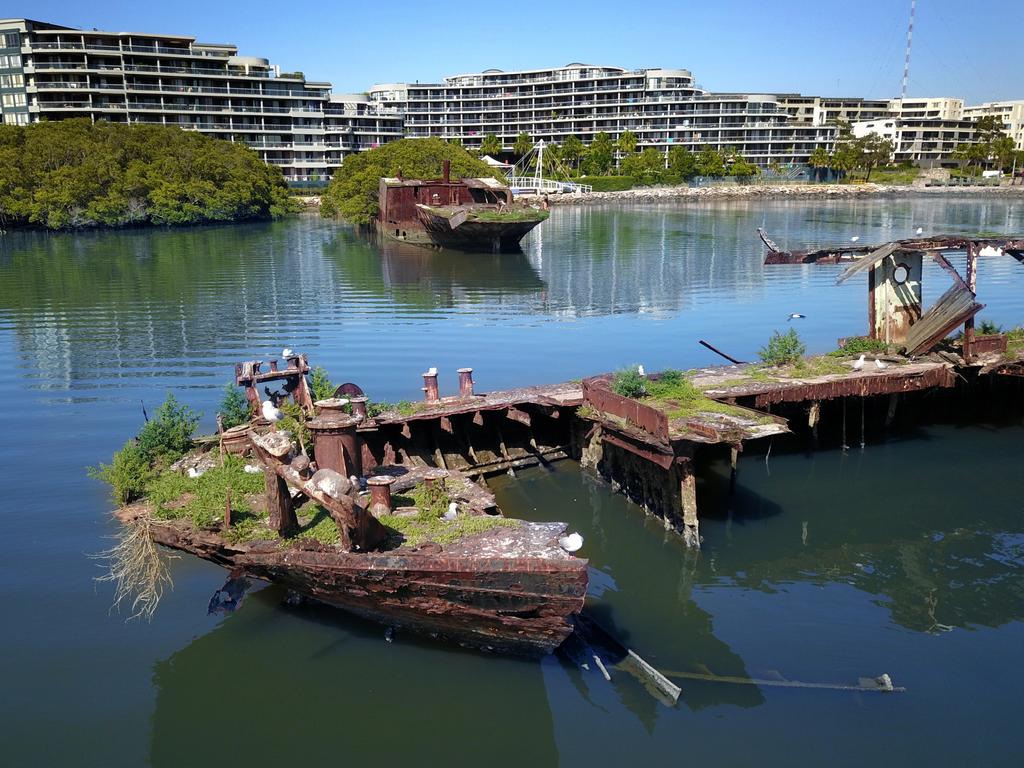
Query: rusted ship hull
x,y
520,605
475,235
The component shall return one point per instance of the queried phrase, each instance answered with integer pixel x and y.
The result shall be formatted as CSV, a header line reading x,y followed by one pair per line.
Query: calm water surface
x,y
906,557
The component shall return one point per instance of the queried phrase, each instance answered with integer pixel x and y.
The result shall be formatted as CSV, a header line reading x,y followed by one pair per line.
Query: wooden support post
x,y
813,417
890,413
734,458
446,425
688,498
972,285
279,504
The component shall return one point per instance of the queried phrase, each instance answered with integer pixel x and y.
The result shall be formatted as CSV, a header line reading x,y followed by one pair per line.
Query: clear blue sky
x,y
828,47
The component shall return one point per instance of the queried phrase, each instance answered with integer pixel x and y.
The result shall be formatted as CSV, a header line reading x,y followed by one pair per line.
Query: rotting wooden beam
x,y
515,414
943,262
446,425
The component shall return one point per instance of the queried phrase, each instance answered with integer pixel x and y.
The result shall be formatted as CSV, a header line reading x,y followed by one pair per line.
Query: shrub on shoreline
x,y
72,174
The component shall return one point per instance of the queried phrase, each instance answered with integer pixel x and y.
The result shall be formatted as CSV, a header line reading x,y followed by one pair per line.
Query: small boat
x,y
464,214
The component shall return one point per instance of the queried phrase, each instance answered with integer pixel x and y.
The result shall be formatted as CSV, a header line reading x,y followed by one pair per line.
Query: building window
x,y
16,118
12,81
10,62
14,100
9,40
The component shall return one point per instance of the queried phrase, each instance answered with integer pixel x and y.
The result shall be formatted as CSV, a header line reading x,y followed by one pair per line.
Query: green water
x,y
906,557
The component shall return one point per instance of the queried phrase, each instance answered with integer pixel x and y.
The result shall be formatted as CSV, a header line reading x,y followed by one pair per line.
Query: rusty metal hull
x,y
475,235
518,605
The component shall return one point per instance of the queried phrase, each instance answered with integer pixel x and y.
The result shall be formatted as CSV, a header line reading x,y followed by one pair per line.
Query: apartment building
x,y
936,108
926,142
1010,112
662,107
820,110
51,72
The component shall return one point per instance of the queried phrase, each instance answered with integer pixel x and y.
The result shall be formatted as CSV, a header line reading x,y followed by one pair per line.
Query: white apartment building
x,y
51,72
1010,112
935,108
662,107
926,142
821,110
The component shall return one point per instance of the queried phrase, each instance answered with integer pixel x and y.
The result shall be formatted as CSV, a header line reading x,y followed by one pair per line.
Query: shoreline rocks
x,y
780,191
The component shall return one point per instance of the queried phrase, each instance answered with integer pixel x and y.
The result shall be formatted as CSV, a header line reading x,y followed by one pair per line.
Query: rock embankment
x,y
782,191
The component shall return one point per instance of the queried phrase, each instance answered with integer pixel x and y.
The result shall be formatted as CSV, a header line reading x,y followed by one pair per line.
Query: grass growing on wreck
x,y
431,503
511,216
675,394
203,499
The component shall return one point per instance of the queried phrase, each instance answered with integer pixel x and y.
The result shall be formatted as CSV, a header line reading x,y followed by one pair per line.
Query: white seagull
x,y
271,412
859,364
919,230
571,543
194,473
989,250
452,513
855,238
286,353
795,316
879,364
640,370
432,372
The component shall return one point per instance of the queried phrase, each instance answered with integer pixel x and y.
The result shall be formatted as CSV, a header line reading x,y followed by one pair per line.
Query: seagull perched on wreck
x,y
859,364
452,513
879,364
571,543
640,370
286,353
795,316
271,412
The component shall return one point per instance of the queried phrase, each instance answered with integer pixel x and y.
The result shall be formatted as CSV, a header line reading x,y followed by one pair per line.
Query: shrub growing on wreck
x,y
168,435
163,439
320,384
70,174
857,345
629,383
234,406
127,474
352,192
783,348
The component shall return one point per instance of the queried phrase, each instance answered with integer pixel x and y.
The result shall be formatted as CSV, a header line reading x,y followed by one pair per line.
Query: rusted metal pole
x,y
380,494
430,390
465,382
335,440
720,352
359,406
972,286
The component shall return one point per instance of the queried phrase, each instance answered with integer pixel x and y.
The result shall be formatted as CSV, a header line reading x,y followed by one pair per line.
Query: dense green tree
x,y
682,165
873,151
572,152
647,167
819,160
627,142
600,155
710,163
491,145
523,144
75,173
1002,151
353,190
737,165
